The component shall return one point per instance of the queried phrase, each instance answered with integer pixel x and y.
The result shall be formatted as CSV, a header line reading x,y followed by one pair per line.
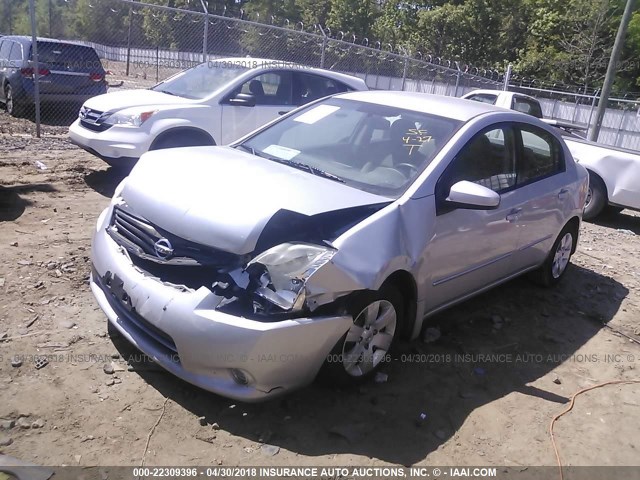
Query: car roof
x,y
263,63
26,40
452,107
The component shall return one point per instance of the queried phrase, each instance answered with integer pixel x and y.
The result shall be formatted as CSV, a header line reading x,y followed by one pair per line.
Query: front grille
x,y
94,119
146,241
95,127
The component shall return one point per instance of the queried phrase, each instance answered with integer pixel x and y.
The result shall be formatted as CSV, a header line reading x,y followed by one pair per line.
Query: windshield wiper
x,y
251,150
168,92
300,166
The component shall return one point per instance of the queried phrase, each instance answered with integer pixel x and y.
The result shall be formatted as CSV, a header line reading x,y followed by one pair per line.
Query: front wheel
x,y
377,322
557,262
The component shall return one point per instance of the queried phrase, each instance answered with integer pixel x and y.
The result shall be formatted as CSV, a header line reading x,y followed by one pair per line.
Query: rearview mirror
x,y
465,194
243,100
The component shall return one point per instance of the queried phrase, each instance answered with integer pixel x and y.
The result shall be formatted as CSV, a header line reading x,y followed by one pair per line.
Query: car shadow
x,y
105,181
12,205
431,388
622,221
55,115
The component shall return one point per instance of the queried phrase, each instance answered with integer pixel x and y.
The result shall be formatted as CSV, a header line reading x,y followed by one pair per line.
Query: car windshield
x,y
375,148
200,81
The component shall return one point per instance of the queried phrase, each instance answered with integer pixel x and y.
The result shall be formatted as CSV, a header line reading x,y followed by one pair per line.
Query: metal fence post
x,y
324,46
36,66
205,37
507,78
404,72
458,73
129,40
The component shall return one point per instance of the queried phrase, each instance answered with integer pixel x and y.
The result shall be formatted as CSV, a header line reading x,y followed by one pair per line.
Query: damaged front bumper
x,y
181,329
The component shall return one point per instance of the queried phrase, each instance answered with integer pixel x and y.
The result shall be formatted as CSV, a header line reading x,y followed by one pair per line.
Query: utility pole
x,y
611,70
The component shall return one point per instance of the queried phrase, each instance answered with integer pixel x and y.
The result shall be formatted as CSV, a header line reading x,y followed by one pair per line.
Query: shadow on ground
x,y
12,205
54,115
382,420
105,181
619,221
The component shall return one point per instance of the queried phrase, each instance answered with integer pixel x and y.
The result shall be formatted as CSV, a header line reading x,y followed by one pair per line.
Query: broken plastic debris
x,y
39,165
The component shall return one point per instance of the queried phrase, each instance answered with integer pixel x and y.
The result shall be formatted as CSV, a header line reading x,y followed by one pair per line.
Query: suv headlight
x,y
280,274
132,119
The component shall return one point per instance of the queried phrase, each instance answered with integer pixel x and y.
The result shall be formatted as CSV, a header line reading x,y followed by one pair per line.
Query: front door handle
x,y
562,194
283,112
514,215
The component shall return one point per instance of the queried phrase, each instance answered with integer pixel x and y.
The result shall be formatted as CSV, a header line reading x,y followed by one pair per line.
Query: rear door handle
x,y
282,112
514,215
562,194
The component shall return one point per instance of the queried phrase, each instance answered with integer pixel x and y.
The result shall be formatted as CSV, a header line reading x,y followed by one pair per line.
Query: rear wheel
x,y
557,262
377,322
596,197
14,108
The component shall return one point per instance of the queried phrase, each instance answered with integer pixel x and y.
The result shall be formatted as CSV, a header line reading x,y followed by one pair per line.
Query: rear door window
x,y
541,155
16,53
5,48
308,87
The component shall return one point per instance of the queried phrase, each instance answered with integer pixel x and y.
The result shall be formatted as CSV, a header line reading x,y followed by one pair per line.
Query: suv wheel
x,y
13,108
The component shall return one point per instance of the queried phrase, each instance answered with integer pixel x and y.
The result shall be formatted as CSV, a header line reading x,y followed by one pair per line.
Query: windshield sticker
x,y
281,152
415,138
315,114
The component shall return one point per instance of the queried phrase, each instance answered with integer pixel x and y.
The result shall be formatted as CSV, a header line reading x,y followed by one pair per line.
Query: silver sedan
x,y
312,245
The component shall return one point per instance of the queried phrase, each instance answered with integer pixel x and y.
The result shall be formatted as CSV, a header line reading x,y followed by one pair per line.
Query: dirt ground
x,y
483,393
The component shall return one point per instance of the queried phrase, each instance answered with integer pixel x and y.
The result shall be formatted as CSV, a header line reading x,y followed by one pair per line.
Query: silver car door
x,y
473,248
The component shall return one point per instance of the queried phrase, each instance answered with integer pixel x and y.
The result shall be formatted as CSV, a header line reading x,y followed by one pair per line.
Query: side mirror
x,y
243,100
465,194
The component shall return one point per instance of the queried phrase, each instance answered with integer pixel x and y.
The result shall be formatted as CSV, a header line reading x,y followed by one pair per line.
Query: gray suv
x,y
70,73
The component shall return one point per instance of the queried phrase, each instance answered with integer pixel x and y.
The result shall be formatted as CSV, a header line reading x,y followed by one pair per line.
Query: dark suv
x,y
69,73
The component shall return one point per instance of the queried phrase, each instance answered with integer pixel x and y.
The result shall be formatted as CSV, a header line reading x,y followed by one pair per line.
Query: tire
x,y
596,197
363,349
181,139
558,260
13,108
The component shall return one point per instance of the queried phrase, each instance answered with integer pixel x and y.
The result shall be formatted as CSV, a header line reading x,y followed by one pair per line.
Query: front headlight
x,y
280,274
126,117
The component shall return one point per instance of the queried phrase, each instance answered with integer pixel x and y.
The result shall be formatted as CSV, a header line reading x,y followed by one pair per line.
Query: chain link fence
x,y
139,44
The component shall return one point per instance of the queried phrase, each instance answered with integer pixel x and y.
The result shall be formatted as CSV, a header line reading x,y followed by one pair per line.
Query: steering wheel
x,y
407,169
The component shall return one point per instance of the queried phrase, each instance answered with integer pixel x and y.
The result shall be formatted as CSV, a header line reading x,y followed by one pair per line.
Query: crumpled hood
x,y
114,101
223,197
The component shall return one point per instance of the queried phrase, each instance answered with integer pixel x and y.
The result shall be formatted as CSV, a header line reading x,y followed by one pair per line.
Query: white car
x,y
315,243
613,171
210,104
